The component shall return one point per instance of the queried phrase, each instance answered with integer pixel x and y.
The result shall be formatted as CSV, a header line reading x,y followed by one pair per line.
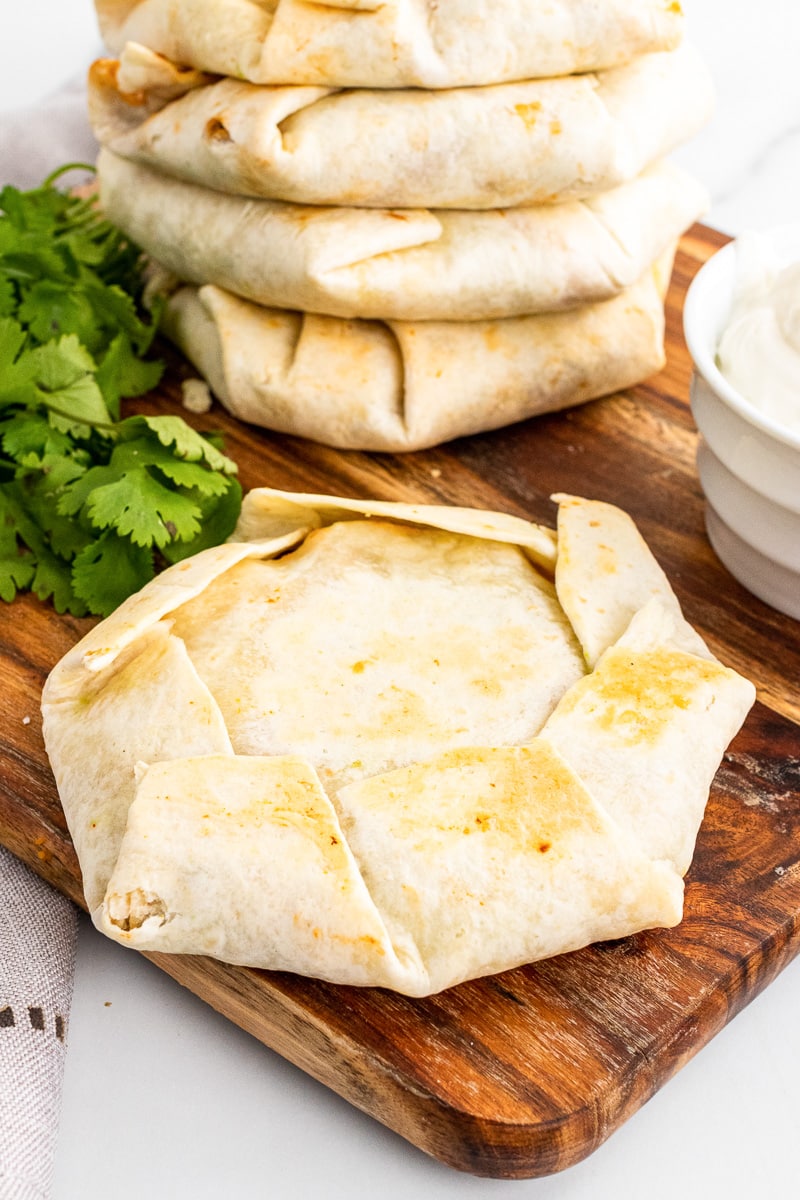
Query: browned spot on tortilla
x,y
528,113
216,130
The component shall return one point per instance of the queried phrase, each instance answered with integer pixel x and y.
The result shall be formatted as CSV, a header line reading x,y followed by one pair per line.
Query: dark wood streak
x,y
528,1072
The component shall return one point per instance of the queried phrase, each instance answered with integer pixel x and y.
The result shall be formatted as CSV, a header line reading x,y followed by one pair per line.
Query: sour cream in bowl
x,y
742,327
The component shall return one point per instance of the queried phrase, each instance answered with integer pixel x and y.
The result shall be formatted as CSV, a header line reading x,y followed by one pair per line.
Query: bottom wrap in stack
x,y
400,385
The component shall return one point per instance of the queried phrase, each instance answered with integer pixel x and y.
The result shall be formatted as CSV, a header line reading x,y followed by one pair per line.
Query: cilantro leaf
x,y
188,444
17,564
12,339
141,508
29,437
109,570
16,572
47,575
52,581
147,451
8,298
218,521
121,373
50,309
66,384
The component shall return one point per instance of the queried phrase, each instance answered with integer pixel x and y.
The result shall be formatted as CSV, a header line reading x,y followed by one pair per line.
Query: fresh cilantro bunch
x,y
91,505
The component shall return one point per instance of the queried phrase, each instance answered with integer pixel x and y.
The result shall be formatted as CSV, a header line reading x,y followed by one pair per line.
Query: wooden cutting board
x,y
524,1073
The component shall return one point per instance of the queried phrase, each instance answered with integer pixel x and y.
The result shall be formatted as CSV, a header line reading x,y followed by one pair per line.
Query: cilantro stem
x,y
59,171
65,413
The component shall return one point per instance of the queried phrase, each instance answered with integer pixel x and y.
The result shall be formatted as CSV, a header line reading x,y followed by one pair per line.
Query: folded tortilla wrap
x,y
400,386
404,264
393,43
515,144
366,745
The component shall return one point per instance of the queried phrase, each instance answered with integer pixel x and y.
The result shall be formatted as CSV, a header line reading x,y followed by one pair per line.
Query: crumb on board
x,y
42,851
195,395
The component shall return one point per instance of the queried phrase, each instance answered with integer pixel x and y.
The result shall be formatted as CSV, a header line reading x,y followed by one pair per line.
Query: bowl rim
x,y
704,358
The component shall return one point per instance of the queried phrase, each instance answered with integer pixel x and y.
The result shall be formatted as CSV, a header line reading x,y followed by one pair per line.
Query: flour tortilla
x,y
429,789
603,582
393,43
405,264
508,145
400,386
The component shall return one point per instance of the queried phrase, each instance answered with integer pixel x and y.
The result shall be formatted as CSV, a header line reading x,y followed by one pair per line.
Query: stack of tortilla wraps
x,y
384,225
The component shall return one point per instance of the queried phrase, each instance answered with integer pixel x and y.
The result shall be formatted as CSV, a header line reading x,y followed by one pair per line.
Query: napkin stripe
x,y
37,1019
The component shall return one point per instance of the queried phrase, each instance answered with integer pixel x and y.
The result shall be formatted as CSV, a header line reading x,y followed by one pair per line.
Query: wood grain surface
x,y
525,1073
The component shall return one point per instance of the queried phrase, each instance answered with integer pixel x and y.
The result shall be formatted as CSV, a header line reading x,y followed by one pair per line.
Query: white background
x,y
165,1099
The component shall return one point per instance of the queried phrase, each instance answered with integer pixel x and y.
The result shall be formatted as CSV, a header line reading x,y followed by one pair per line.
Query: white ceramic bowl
x,y
749,465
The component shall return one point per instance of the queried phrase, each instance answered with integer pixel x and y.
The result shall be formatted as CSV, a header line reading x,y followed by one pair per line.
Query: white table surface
x,y
164,1098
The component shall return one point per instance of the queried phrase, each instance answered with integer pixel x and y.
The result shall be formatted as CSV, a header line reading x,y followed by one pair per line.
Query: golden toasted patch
x,y
635,696
525,796
528,113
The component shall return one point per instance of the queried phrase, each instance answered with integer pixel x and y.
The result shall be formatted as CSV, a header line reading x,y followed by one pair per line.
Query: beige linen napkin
x,y
40,138
37,926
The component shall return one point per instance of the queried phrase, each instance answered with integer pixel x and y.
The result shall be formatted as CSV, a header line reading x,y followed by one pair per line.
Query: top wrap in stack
x,y
390,225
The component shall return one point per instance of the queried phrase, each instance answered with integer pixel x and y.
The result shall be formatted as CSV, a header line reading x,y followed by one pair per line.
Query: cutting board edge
x,y
489,1147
